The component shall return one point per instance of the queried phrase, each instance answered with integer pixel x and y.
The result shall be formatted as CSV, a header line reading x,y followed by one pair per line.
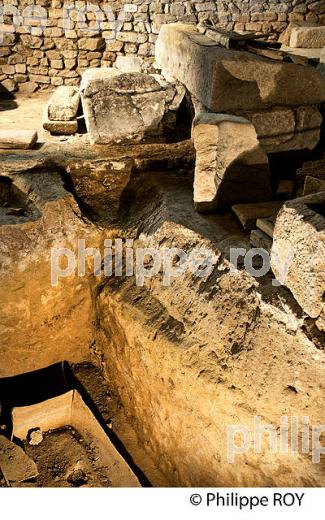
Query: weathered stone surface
x,y
129,63
209,71
63,104
308,37
299,245
60,127
313,169
284,129
17,139
231,167
121,107
313,185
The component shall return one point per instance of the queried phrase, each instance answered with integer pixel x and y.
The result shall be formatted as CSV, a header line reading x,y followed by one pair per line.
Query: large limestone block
x,y
298,253
230,81
308,37
63,104
231,167
121,107
283,129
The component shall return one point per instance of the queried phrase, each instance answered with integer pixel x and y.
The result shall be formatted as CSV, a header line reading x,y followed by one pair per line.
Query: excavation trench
x,y
181,362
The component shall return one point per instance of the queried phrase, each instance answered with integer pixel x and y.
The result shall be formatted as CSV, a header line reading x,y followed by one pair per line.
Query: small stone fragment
x,y
77,478
35,437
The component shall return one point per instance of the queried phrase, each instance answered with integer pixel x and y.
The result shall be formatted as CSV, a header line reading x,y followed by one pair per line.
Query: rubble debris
x,y
249,213
77,477
314,169
228,39
231,167
17,139
35,436
15,465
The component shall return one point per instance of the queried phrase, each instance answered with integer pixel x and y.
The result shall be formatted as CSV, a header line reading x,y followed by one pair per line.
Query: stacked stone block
x,y
36,57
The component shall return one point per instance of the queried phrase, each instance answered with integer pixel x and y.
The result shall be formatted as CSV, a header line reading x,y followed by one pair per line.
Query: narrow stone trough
x,y
55,436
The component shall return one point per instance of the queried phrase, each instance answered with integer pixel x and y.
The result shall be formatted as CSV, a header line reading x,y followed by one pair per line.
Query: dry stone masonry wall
x,y
57,53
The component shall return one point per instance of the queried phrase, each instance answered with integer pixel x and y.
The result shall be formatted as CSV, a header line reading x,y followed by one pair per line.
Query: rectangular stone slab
x,y
249,213
229,81
17,139
308,37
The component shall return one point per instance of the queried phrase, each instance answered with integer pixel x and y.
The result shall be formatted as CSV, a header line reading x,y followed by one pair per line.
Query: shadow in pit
x,y
7,100
40,385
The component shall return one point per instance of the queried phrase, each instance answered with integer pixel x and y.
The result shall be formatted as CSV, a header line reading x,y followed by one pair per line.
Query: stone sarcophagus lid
x,y
279,98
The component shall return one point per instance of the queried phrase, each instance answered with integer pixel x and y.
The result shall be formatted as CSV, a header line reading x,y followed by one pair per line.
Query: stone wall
x,y
33,57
